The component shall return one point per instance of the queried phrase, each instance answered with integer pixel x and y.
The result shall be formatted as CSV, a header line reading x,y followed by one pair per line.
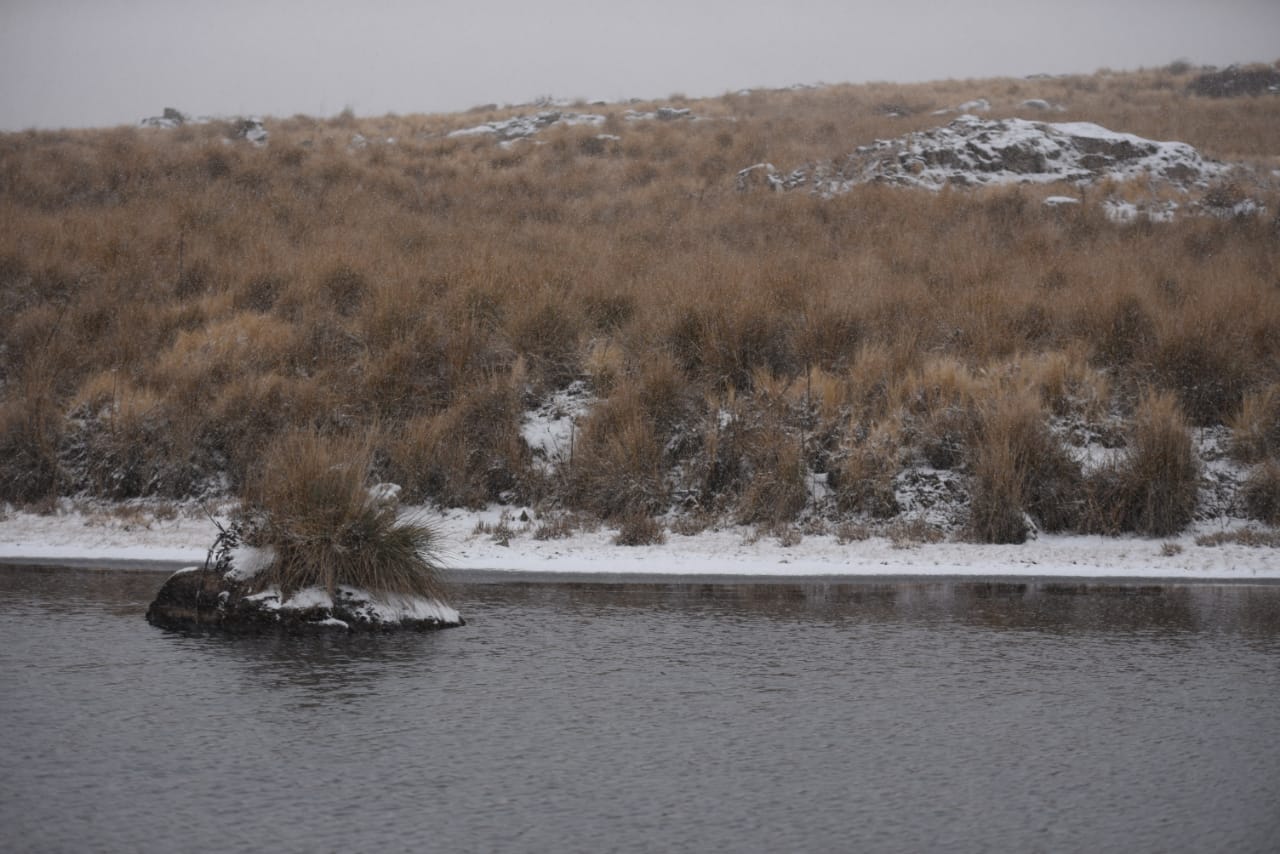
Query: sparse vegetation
x,y
176,310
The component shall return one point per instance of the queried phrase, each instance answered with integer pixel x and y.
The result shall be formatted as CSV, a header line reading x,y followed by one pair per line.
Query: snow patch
x,y
247,561
385,493
307,598
549,429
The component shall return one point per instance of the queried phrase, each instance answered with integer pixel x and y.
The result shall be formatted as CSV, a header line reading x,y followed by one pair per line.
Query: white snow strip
x,y
731,550
394,608
549,429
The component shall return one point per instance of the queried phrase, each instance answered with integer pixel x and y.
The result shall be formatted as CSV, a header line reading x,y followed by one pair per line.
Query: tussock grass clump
x,y
310,503
1153,491
640,529
30,432
1255,429
468,455
1262,493
1020,471
617,467
863,476
774,489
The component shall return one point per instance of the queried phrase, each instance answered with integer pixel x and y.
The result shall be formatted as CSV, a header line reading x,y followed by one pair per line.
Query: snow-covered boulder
x,y
972,151
170,118
523,127
252,130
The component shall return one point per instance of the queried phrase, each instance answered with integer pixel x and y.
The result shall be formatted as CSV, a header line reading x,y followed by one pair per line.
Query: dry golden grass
x,y
424,292
310,504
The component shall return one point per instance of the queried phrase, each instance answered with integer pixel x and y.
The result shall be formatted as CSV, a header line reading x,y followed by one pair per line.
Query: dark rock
x,y
1235,81
200,599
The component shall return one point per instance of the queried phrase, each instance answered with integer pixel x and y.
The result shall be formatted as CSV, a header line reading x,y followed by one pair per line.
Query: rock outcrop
x,y
523,127
971,151
1235,81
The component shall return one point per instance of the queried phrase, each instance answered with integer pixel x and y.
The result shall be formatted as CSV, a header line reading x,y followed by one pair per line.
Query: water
x,y
652,717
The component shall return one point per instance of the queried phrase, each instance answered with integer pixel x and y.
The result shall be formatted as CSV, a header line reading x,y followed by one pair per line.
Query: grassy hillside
x,y
172,301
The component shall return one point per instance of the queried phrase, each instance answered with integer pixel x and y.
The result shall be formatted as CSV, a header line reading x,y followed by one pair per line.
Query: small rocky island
x,y
313,550
224,595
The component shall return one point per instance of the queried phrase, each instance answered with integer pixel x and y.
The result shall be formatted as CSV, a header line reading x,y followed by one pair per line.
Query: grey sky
x,y
69,63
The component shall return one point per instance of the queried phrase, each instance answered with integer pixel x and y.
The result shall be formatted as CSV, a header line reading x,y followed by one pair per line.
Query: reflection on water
x,y
587,716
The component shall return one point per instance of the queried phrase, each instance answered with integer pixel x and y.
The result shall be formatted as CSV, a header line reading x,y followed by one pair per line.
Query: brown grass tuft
x,y
1255,429
310,504
1261,493
1020,472
1153,491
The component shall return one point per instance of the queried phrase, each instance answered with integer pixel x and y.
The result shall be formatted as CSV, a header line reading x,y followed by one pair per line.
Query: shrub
x,y
30,431
863,476
1255,429
1153,491
1208,369
616,467
310,503
774,490
467,456
639,529
1261,493
1019,470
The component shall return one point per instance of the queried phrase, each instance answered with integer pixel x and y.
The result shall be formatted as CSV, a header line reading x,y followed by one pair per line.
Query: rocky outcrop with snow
x,y
250,129
972,151
522,127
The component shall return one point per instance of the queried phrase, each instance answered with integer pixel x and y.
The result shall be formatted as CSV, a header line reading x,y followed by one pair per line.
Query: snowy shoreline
x,y
78,537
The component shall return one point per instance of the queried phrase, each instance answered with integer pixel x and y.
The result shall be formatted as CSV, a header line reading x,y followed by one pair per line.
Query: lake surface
x,y
817,716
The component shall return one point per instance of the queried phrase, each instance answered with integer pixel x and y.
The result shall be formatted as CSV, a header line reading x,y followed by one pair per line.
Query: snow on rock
x,y
245,562
662,114
1123,211
250,129
525,126
391,608
210,599
170,118
971,151
385,493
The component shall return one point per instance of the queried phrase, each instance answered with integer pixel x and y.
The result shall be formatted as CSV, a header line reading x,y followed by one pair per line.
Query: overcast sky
x,y
72,63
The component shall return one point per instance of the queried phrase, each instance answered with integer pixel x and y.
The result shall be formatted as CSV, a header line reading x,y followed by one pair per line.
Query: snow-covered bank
x,y
732,551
